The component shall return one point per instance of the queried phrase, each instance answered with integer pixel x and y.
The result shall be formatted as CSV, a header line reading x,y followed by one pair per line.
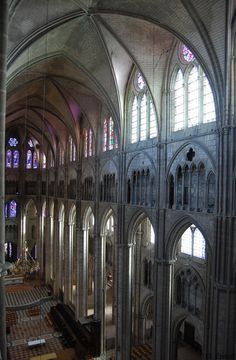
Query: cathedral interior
x,y
118,171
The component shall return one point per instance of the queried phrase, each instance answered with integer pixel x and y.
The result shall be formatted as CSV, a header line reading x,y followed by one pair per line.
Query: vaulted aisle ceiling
x,y
71,57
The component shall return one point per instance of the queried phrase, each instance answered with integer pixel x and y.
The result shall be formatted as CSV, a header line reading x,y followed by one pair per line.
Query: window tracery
x,y
12,155
10,209
143,124
110,141
192,97
88,142
193,242
72,149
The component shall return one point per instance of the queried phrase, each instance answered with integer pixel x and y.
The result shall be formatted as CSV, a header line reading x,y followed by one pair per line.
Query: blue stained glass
x,y
85,142
35,161
187,54
12,210
29,160
12,141
8,158
16,159
105,135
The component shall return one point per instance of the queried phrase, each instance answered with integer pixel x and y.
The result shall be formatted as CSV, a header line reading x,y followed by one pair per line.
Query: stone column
x,y
164,270
47,244
220,326
136,286
3,75
124,301
55,253
67,269
40,242
99,306
82,282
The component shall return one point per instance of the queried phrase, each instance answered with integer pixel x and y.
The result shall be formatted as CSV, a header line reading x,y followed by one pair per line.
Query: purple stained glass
x,y
29,159
8,158
111,134
187,54
12,210
44,161
16,159
12,141
35,160
5,210
85,142
90,142
105,135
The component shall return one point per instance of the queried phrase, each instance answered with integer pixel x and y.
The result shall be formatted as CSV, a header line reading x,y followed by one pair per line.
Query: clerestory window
x,y
192,97
88,142
110,141
143,124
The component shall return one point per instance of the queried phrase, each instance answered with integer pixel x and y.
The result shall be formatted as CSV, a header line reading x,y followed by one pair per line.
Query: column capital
x,y
165,261
125,246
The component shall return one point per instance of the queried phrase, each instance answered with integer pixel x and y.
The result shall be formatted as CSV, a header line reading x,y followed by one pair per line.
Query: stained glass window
x,y
44,161
193,243
16,159
12,209
134,121
179,102
73,152
12,141
35,160
105,134
198,244
116,142
8,158
111,134
152,122
140,81
143,118
193,97
186,242
85,142
90,150
29,159
186,54
5,210
193,101
208,102
110,141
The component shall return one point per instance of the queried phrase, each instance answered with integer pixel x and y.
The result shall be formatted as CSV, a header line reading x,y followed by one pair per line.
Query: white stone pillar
x,y
83,272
